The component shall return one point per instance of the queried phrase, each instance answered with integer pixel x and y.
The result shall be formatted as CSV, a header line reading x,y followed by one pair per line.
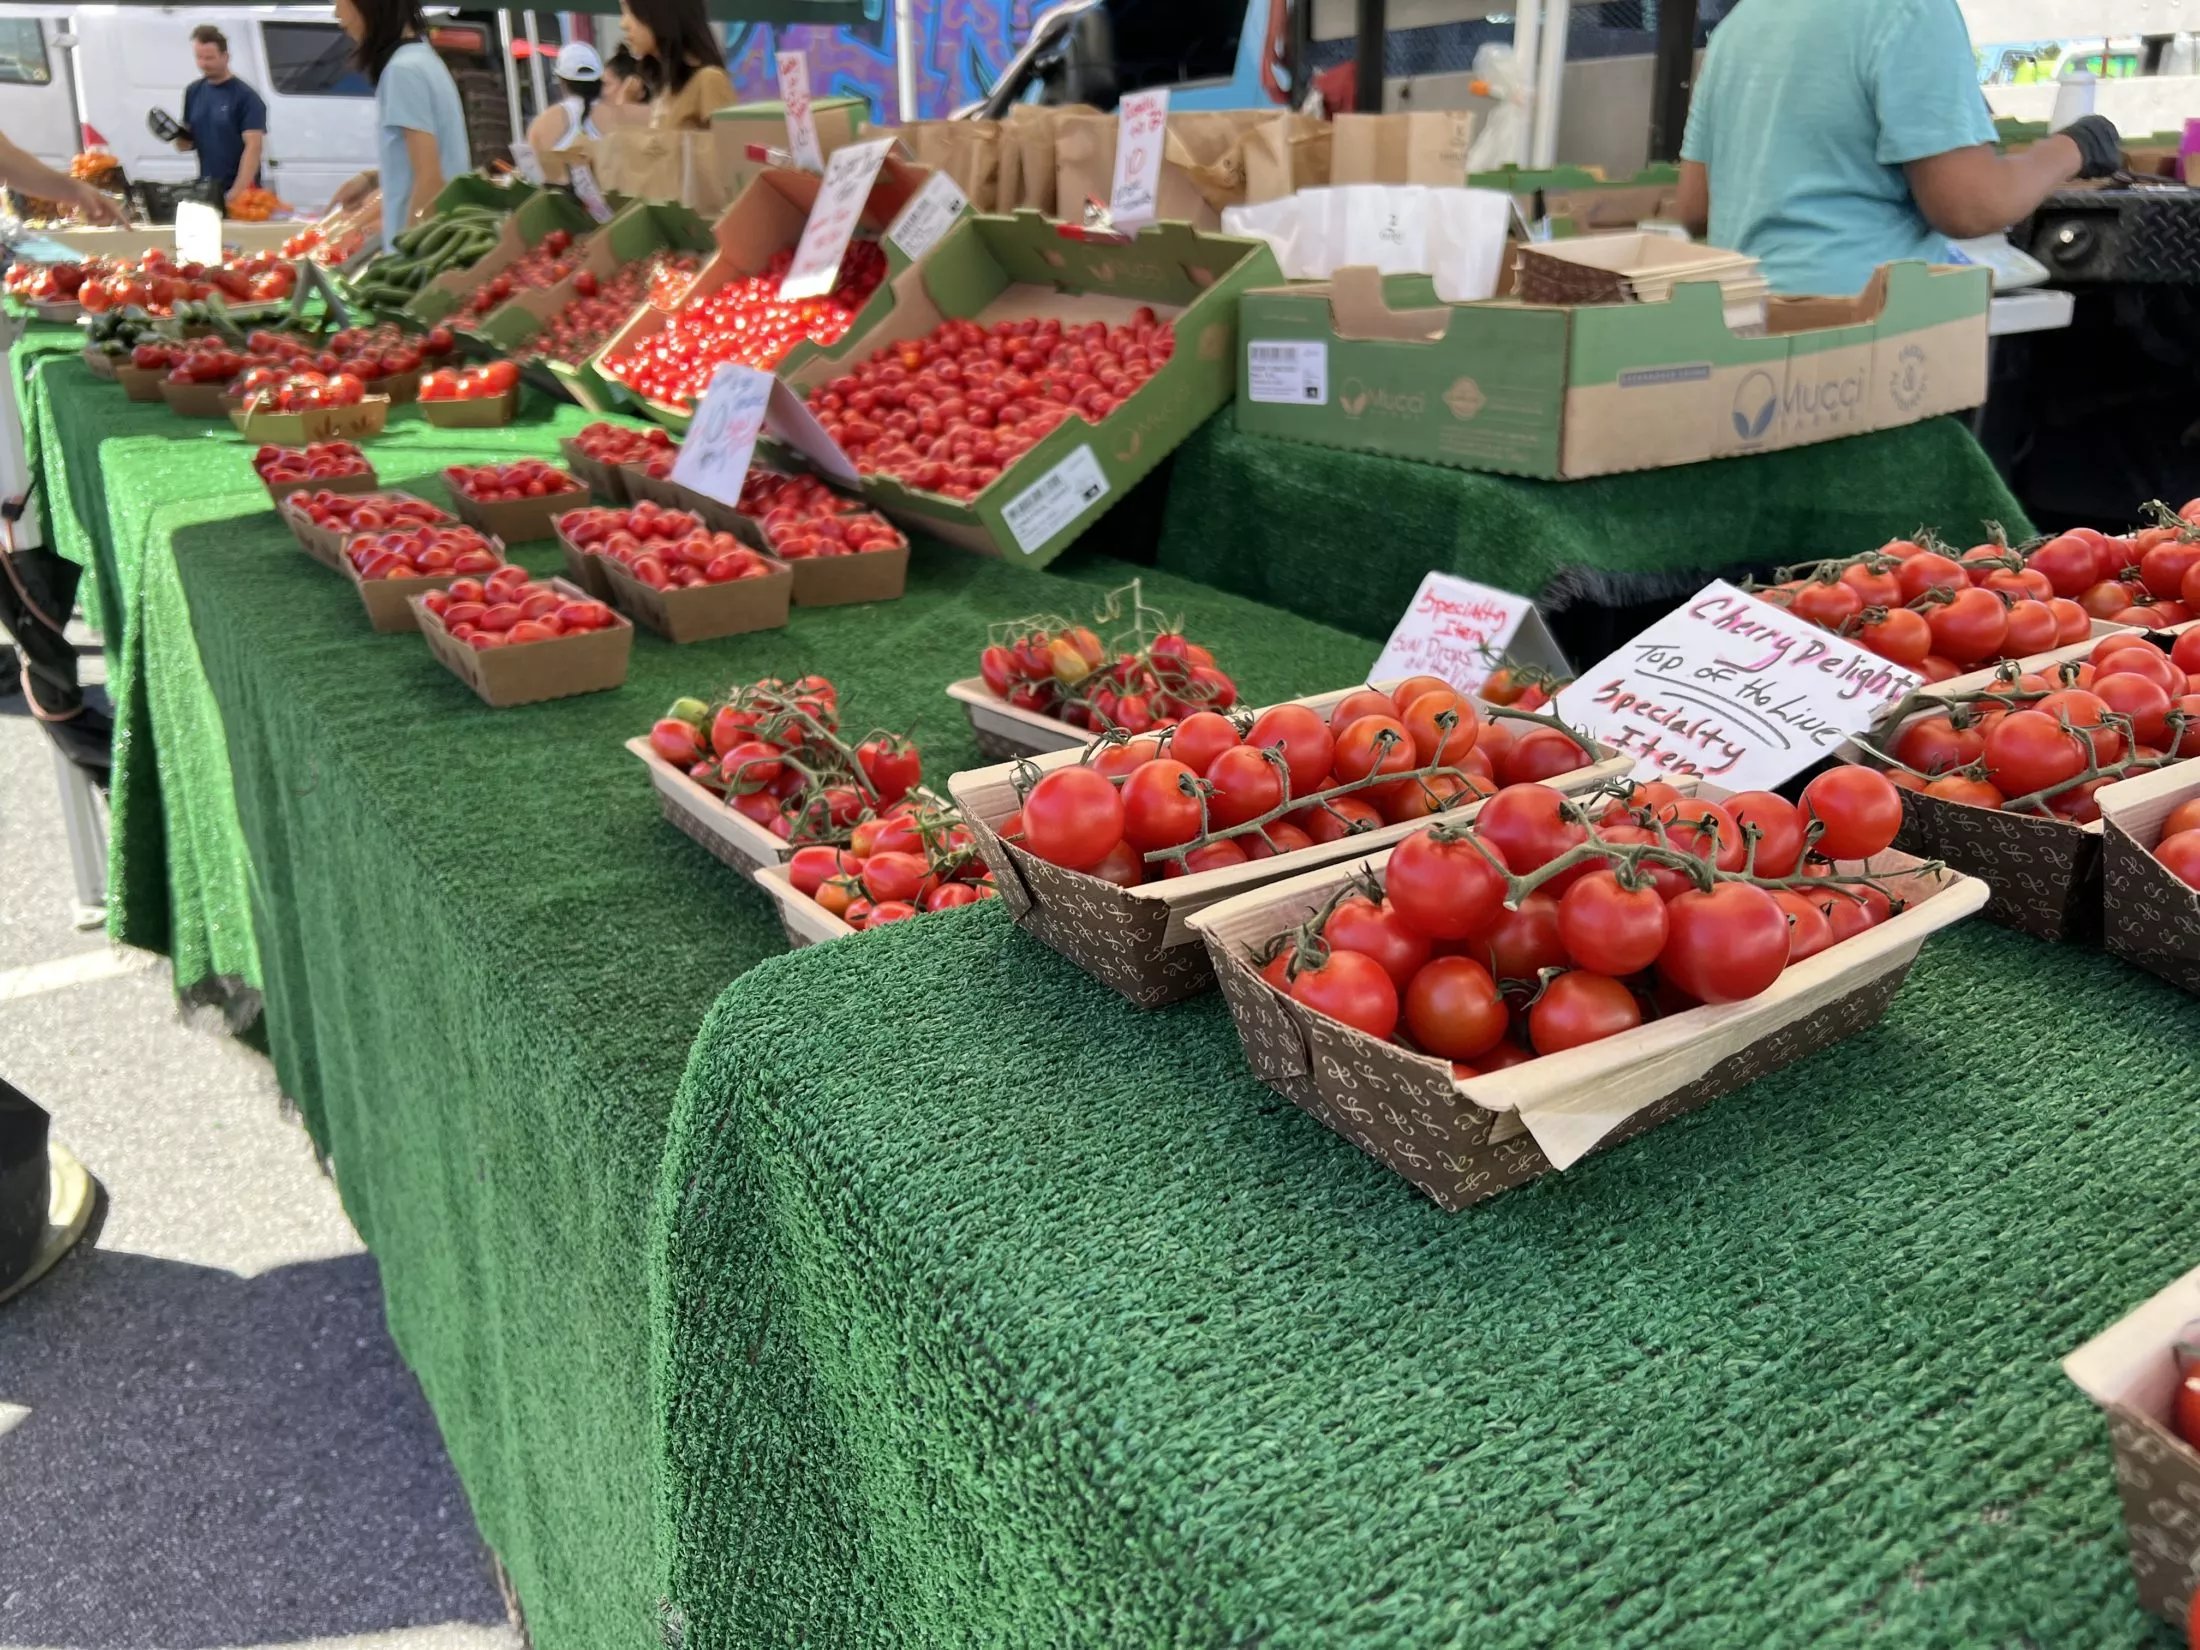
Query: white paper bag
x,y
1456,236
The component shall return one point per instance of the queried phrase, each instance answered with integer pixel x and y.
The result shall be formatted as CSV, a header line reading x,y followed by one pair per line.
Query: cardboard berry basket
x,y
640,484
100,364
2131,1371
324,544
699,612
730,837
389,602
1463,1140
1138,941
362,481
141,383
517,520
357,422
526,675
584,567
806,922
1009,268
606,481
2149,916
399,387
838,581
201,401
1006,731
482,412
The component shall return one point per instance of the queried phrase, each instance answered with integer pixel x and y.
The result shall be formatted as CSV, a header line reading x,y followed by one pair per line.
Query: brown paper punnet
x,y
518,520
201,401
2148,915
606,481
838,581
584,567
640,484
362,482
482,412
141,383
1005,732
389,602
326,545
806,921
738,841
525,675
2130,1370
100,364
1463,1140
1137,941
294,429
700,612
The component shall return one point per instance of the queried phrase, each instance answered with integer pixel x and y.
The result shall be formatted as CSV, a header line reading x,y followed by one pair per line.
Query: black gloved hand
x,y
2100,145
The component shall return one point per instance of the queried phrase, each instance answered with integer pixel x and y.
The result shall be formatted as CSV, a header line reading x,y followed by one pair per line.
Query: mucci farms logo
x,y
1465,399
1359,400
1756,405
1910,381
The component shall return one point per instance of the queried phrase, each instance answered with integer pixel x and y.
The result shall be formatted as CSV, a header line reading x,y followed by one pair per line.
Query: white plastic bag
x,y
1455,236
1503,139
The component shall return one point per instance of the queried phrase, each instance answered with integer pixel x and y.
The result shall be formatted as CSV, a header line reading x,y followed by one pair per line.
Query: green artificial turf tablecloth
x,y
1346,537
486,958
995,1312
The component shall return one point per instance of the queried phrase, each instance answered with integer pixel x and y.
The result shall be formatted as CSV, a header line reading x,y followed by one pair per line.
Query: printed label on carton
x,y
929,216
1055,500
1287,374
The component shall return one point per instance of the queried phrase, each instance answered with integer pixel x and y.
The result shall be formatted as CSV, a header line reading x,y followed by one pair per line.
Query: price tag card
x,y
525,161
1462,631
1734,690
794,92
929,216
582,177
790,419
198,233
714,459
840,200
1141,123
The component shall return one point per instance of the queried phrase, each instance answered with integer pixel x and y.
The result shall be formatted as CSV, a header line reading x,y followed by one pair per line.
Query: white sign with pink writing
x,y
1462,631
1732,689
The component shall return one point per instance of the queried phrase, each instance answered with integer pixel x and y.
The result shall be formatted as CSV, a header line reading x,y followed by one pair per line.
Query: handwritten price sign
x,y
1141,127
714,460
840,201
794,93
1732,689
1461,631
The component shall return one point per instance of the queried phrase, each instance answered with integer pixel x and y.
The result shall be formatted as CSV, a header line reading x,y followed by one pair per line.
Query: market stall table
x,y
486,957
1037,1320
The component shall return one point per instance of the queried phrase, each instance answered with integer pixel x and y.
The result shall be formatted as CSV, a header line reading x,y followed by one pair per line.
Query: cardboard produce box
x,y
141,383
1560,393
326,545
839,120
1461,1140
1005,731
605,481
200,401
484,412
730,837
99,364
363,482
843,581
590,662
356,422
1137,941
389,602
522,232
1000,268
2149,916
518,520
768,218
700,612
638,232
2132,1370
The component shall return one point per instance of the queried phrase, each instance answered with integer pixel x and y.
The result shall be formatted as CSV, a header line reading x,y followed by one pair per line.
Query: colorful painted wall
x,y
966,45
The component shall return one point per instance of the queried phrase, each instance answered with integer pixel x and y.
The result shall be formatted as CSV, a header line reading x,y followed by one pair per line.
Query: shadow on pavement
x,y
211,1459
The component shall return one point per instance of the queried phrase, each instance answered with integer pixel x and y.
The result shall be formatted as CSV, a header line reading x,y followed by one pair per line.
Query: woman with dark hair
x,y
420,122
681,55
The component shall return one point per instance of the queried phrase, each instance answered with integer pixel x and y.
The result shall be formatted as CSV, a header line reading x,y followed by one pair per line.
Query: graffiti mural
x,y
966,45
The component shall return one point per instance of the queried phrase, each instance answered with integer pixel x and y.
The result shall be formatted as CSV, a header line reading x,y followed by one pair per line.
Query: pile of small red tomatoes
x,y
1067,674
316,461
502,483
367,513
802,517
1144,796
948,412
270,389
543,266
665,549
2036,732
418,550
482,383
619,444
508,609
1536,930
913,856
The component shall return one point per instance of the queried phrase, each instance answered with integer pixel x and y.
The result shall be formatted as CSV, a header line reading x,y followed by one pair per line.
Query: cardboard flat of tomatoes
x,y
202,401
2149,916
518,520
701,612
324,544
730,837
1139,941
486,412
806,922
590,662
2130,1370
358,422
1464,1140
1010,268
389,602
362,482
606,481
838,581
141,383
524,229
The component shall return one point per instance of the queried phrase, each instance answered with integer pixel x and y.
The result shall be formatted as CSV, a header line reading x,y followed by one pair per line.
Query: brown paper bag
x,y
969,151
1208,147
1084,169
1027,154
654,165
1284,154
1426,146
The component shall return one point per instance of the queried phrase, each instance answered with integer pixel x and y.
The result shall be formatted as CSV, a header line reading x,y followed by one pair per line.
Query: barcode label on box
x,y
1287,374
1055,500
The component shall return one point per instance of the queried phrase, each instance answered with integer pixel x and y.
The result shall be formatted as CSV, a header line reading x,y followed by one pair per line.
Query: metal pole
x,y
1673,70
534,65
511,72
905,61
1527,34
1367,84
1550,76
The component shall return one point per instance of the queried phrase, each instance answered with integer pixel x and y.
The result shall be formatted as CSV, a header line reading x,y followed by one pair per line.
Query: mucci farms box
x,y
523,231
769,219
1561,392
1006,268
640,231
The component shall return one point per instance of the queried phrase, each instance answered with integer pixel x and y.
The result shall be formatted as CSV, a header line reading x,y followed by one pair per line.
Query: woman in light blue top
x,y
419,120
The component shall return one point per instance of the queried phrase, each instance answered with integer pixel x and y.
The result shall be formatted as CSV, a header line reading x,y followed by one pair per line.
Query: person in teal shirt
x,y
420,122
1828,137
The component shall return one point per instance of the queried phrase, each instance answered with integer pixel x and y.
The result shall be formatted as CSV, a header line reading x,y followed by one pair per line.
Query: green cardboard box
x,y
1560,393
838,118
1002,268
472,189
641,229
523,230
768,219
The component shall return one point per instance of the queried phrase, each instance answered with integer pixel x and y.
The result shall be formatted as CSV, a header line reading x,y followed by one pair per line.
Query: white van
x,y
126,60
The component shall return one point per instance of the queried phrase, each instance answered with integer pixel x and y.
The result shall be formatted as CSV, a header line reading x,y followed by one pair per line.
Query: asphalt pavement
x,y
207,1438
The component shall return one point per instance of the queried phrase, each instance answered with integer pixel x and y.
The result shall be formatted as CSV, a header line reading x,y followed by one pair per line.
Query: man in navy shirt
x,y
227,118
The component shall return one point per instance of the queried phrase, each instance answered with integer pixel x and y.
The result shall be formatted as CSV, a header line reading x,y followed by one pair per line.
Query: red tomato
x,y
1453,1010
1858,811
1202,737
1123,865
2180,856
1302,736
2027,752
1529,825
1161,806
1342,817
1727,943
1377,931
1072,818
1970,628
1209,856
1246,784
1927,570
1903,636
1540,754
1522,942
808,868
2069,563
1358,703
1808,930
1443,726
1353,989
1612,930
1827,604
1580,1008
1779,825
1413,687
1371,745
1449,888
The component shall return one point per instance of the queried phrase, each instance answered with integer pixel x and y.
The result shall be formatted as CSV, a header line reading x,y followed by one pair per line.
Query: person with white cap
x,y
572,117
